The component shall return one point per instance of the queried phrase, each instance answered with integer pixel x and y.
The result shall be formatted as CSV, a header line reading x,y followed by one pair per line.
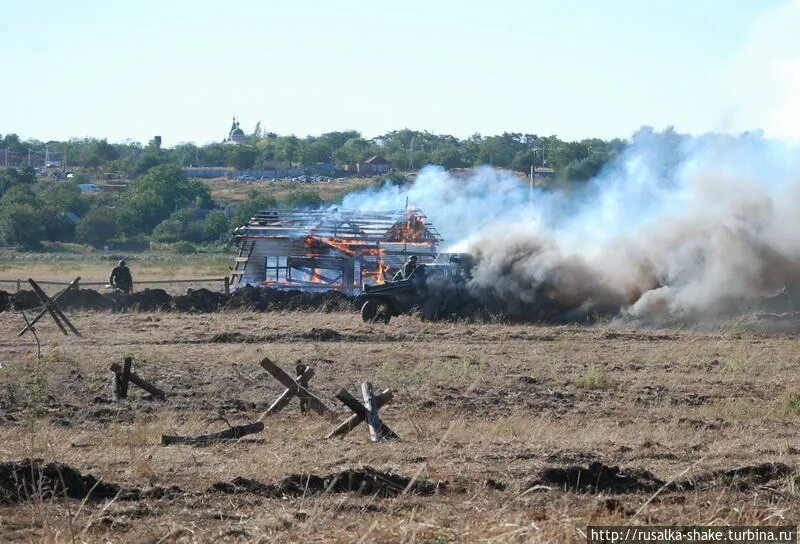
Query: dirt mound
x,y
85,299
233,338
321,335
199,300
366,481
24,300
597,477
31,479
5,301
739,479
28,479
266,298
149,300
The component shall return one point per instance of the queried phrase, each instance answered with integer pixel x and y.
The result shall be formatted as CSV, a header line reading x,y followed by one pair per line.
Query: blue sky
x,y
573,68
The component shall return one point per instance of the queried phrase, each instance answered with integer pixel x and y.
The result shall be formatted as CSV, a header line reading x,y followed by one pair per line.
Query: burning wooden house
x,y
331,249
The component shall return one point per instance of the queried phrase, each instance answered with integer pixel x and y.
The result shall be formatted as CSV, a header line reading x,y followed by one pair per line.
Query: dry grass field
x,y
96,266
231,190
487,414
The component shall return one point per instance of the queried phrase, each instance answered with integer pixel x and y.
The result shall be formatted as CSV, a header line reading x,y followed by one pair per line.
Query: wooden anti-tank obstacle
x,y
51,307
124,375
294,387
368,411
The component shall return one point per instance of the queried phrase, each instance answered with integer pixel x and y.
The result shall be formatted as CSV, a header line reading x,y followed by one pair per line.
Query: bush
x,y
183,248
216,227
20,224
303,199
595,378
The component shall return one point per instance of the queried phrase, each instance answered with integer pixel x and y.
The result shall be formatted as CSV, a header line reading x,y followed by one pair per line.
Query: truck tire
x,y
374,312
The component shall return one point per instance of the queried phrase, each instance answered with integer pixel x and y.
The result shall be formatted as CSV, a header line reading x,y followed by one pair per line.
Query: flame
x,y
411,232
413,229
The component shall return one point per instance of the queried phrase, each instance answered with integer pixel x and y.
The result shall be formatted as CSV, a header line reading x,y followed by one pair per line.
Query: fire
x,y
413,229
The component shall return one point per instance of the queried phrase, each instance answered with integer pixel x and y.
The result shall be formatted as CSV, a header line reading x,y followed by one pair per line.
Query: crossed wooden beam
x,y
295,387
51,307
123,375
368,411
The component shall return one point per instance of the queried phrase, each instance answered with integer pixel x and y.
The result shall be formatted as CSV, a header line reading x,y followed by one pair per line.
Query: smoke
x,y
678,228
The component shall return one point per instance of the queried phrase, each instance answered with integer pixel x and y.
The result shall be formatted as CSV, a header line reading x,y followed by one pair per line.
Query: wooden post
x,y
126,375
136,380
19,285
373,421
227,281
302,388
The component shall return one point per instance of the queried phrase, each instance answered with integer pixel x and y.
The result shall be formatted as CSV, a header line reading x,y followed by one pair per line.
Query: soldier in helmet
x,y
121,278
409,267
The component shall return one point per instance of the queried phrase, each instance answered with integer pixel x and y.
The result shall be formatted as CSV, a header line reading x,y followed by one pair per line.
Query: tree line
x,y
404,149
163,205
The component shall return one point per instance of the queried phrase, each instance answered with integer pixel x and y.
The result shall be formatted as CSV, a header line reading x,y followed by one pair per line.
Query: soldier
x,y
409,267
121,278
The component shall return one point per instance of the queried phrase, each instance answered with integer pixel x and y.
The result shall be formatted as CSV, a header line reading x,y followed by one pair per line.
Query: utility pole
x,y
533,170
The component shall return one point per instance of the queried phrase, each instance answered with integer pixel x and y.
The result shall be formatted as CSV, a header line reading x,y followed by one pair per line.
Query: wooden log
x,y
360,412
136,380
373,421
285,397
279,374
205,439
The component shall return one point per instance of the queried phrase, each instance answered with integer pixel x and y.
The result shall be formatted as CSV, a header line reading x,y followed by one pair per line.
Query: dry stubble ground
x,y
481,407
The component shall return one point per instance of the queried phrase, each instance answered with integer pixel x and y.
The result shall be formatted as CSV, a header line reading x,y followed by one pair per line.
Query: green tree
x,y
65,197
216,227
162,190
353,151
181,225
254,203
20,225
97,227
242,157
12,176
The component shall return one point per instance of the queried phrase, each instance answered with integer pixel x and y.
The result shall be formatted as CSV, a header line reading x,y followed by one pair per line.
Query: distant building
x,y
373,165
236,134
544,172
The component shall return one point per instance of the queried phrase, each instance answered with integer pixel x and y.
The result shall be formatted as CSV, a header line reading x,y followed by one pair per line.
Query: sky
x,y
572,68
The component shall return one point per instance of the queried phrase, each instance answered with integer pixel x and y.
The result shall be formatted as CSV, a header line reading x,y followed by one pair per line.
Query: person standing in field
x,y
121,278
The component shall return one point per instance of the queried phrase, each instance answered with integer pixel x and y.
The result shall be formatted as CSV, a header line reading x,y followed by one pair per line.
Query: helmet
x,y
413,258
122,262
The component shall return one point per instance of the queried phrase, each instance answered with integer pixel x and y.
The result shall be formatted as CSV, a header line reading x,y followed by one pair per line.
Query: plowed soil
x,y
509,433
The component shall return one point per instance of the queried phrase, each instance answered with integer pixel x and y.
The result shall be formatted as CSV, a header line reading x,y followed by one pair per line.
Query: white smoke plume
x,y
678,228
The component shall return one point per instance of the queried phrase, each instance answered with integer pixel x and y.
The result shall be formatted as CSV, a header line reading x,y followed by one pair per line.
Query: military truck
x,y
431,289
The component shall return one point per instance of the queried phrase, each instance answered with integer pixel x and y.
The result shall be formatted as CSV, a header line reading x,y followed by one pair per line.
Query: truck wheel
x,y
374,312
